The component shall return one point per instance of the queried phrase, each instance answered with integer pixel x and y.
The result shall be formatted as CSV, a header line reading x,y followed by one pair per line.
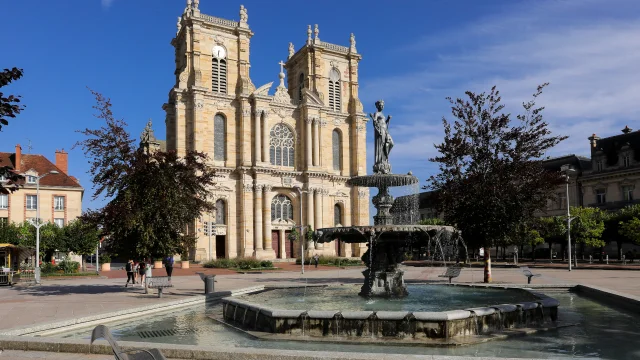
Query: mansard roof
x,y
610,146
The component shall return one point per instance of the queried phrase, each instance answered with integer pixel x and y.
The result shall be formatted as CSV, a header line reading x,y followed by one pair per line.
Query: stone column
x,y
266,218
310,219
247,204
258,137
283,251
257,219
316,143
309,143
265,139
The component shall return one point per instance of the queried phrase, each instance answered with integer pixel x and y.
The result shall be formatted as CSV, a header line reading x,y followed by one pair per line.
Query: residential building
x,y
577,166
60,194
309,135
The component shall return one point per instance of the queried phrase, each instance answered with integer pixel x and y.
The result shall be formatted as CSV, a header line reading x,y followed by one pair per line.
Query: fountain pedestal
x,y
384,284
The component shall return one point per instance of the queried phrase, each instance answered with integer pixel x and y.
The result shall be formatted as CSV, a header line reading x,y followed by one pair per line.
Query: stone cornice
x,y
609,175
326,176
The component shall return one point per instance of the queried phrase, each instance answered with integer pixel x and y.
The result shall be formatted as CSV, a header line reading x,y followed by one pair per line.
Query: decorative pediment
x,y
627,182
221,188
282,96
341,194
263,90
283,222
599,186
311,98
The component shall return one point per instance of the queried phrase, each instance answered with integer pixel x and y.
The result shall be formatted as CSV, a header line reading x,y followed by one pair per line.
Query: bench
x,y
103,332
452,272
158,282
528,274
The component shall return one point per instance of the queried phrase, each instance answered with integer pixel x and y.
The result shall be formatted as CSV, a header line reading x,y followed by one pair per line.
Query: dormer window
x,y
31,179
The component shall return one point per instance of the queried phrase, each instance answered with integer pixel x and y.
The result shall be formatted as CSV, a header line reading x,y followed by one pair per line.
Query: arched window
x,y
281,208
337,215
334,90
219,71
336,145
300,87
219,138
281,145
221,212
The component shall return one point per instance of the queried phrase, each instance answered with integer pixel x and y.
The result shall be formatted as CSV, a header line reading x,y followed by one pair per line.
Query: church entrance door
x,y
275,242
221,250
288,248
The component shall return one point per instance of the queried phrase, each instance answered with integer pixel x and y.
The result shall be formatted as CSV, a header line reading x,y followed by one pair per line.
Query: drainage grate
x,y
161,333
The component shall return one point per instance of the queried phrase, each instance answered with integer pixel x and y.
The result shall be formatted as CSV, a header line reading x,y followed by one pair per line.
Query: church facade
x,y
282,159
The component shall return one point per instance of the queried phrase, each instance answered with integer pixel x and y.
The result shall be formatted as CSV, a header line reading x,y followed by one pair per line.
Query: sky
x,y
415,54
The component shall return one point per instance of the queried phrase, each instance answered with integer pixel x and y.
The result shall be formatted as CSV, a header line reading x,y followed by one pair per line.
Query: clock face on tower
x,y
219,52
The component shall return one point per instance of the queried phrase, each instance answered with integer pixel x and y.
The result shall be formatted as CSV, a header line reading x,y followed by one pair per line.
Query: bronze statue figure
x,y
383,142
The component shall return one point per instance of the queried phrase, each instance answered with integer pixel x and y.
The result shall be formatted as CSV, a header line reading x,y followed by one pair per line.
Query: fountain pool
x,y
600,326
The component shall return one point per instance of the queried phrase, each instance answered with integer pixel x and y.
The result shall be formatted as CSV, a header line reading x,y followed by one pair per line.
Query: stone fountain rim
x,y
365,230
370,180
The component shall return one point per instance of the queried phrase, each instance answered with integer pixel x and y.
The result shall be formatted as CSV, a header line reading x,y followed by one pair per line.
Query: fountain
x,y
386,240
436,315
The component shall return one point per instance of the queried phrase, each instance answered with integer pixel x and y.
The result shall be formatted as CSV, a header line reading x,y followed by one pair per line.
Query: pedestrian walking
x,y
142,267
130,273
168,264
316,258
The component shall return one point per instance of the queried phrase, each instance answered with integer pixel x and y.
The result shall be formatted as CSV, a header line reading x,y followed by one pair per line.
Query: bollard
x,y
607,259
624,260
209,284
590,258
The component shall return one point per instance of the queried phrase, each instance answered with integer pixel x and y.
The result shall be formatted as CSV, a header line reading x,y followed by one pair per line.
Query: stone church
x,y
282,158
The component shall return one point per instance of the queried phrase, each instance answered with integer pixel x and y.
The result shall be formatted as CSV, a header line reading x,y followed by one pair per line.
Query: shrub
x,y
104,259
69,267
48,268
331,260
240,263
266,264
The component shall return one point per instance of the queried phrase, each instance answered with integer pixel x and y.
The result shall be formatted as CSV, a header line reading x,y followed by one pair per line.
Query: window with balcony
x,y
58,203
601,196
627,193
4,201
32,202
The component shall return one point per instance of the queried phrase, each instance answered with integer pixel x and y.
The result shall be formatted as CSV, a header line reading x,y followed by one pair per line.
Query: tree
x,y
9,107
153,196
630,229
9,233
80,237
587,226
553,229
612,226
491,176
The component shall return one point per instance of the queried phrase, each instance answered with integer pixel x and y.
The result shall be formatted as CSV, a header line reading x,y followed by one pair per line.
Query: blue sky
x,y
415,53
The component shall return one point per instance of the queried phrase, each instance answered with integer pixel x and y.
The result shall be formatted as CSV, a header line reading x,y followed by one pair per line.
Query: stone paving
x,y
57,300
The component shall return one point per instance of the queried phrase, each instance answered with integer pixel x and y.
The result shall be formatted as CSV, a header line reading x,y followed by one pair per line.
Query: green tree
x,y
587,226
630,229
10,106
553,230
491,176
612,223
153,196
9,233
81,238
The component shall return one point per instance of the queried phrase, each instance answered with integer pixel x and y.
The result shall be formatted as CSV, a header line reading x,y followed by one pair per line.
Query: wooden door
x,y
288,248
221,248
275,242
337,242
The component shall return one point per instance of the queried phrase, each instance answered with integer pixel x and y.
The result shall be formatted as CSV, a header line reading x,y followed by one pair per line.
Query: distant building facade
x,y
309,135
60,194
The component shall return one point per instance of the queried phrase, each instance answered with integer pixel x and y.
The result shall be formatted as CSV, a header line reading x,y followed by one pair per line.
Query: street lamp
x,y
302,238
38,223
567,169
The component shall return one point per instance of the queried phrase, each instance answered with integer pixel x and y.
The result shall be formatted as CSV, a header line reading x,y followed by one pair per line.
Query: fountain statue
x,y
386,241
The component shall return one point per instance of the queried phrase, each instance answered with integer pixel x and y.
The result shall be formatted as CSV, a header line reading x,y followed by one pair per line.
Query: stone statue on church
x,y
145,137
291,50
352,41
243,14
383,143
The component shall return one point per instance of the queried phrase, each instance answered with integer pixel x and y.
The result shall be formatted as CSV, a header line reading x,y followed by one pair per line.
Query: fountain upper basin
x,y
383,180
384,233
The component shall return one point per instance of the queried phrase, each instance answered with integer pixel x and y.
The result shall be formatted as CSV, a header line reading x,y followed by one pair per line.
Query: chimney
x,y
62,161
18,158
594,140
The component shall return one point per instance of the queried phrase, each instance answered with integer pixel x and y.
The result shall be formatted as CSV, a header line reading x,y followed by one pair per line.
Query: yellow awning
x,y
8,245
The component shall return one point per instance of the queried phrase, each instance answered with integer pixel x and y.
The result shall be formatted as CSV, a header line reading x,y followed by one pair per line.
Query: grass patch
x,y
239,263
331,261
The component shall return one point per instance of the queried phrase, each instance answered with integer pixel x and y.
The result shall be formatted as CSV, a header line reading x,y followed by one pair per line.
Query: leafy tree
x,y
552,229
9,107
153,196
491,177
612,226
9,233
527,234
630,229
80,237
587,226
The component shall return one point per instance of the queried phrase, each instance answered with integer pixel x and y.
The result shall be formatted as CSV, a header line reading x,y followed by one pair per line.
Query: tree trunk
x,y
550,252
602,254
533,253
619,242
487,265
564,250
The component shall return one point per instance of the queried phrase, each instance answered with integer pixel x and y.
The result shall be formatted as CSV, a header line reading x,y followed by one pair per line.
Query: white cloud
x,y
106,3
587,50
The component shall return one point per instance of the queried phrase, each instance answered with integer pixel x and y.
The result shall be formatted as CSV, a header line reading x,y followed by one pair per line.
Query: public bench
x,y
158,282
452,272
102,331
526,272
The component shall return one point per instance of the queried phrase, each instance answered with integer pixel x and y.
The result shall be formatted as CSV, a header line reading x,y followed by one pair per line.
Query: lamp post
x,y
567,170
38,223
302,237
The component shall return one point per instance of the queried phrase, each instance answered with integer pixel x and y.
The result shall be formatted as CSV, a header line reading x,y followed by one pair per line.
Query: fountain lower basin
x,y
538,310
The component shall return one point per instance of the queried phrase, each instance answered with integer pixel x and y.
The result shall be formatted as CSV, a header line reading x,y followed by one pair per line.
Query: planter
x,y
157,264
185,264
105,267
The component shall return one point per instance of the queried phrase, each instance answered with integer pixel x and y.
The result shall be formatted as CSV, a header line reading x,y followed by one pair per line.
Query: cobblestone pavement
x,y
23,355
